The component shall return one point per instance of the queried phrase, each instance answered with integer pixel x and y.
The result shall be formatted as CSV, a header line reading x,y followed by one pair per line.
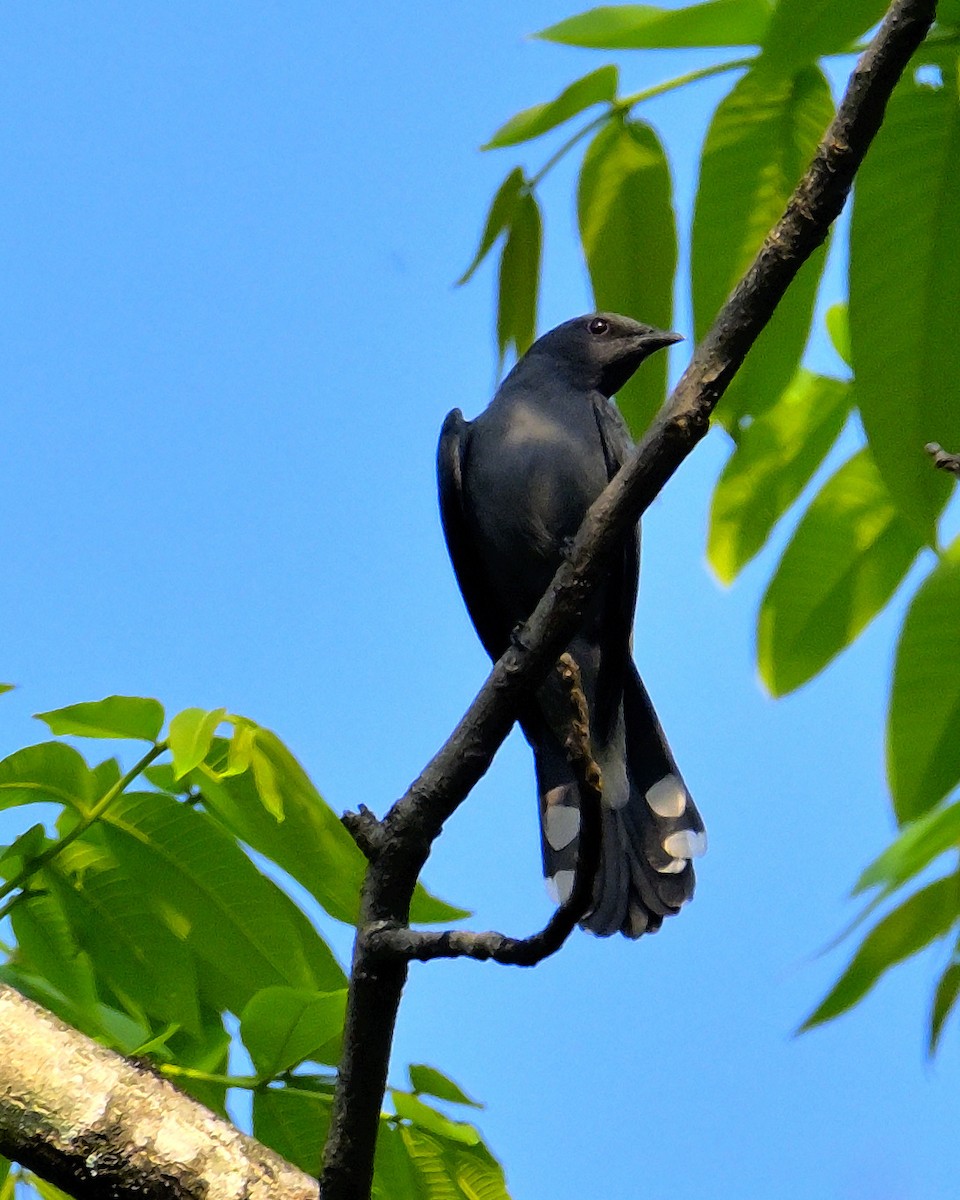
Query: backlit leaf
x,y
283,1026
760,141
113,717
498,219
431,1082
598,86
846,559
629,239
411,1109
48,771
645,26
923,728
190,736
294,1122
776,456
801,31
927,915
519,281
944,999
905,295
919,843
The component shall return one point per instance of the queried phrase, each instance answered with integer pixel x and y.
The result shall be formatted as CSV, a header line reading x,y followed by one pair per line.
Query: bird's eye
x,y
598,325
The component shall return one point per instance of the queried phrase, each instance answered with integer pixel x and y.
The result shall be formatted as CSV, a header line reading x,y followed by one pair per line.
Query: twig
x,y
399,940
943,460
416,819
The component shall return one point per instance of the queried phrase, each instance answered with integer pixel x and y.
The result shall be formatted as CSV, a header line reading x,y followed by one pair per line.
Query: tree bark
x,y
100,1126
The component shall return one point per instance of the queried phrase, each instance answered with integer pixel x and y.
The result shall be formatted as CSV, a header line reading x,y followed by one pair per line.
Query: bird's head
x,y
602,350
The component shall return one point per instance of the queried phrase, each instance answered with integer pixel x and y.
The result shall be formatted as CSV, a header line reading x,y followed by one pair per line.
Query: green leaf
x,y
629,239
519,281
394,1175
433,1163
923,726
28,845
598,86
431,1082
283,1026
775,459
237,923
145,965
191,733
646,27
409,1108
837,321
918,845
6,687
210,1053
310,844
48,771
294,1122
499,218
905,295
478,1173
48,948
804,30
849,554
45,1190
113,717
760,141
927,915
6,1192
944,999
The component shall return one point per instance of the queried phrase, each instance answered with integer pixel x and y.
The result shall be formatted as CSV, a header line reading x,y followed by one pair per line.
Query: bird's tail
x,y
651,829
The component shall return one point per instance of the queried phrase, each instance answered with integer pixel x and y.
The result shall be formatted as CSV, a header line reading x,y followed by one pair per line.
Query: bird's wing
x,y
621,595
490,625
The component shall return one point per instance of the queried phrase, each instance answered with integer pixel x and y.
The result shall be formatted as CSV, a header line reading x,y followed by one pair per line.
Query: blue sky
x,y
228,337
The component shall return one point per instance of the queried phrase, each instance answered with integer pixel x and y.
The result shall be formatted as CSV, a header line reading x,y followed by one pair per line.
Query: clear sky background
x,y
228,337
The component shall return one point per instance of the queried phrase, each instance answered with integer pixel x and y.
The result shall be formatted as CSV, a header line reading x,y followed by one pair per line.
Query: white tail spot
x,y
673,867
560,886
637,920
686,843
668,797
561,824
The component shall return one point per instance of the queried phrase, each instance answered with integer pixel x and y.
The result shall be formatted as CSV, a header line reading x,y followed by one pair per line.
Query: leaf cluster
x,y
861,530
151,909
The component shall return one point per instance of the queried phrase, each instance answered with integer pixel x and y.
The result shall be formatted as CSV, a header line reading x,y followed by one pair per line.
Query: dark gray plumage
x,y
514,487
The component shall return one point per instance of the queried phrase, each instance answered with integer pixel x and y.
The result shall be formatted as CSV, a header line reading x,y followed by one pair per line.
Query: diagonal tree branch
x,y
410,827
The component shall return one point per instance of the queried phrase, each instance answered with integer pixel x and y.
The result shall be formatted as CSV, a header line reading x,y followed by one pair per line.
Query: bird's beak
x,y
656,339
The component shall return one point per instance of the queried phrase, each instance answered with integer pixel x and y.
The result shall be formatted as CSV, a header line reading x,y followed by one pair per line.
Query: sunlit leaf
x,y
238,924
128,945
760,141
430,1157
629,239
837,321
776,456
803,30
905,295
394,1175
923,729
6,687
944,999
498,219
919,843
294,1122
113,717
310,843
283,1026
48,771
431,1082
644,26
48,948
846,559
598,86
927,915
411,1109
191,733
519,281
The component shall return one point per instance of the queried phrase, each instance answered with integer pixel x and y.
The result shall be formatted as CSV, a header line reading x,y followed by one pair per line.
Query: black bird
x,y
514,487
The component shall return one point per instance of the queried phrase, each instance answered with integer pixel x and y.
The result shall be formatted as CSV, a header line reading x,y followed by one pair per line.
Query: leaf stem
x,y
628,102
83,824
249,1082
